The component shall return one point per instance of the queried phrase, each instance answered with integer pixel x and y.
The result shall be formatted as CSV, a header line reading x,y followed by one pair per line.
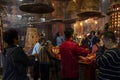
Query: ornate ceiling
x,y
14,17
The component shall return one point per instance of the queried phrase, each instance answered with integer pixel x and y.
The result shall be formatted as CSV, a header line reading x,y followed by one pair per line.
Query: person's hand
x,y
82,58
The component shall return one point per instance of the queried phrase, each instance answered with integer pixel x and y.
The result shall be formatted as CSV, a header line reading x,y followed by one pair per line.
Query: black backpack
x,y
10,72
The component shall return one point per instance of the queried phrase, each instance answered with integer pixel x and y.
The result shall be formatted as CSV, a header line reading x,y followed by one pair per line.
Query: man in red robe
x,y
70,52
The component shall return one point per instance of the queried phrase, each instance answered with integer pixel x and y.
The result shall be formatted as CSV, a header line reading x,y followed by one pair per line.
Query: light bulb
x,y
86,21
96,22
74,25
74,0
81,24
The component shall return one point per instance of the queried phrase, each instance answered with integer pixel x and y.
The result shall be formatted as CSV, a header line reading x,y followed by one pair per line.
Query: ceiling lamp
x,y
38,7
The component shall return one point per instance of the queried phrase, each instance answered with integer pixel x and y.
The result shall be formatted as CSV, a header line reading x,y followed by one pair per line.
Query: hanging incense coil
x,y
90,14
82,18
90,9
28,15
56,20
69,21
110,12
47,22
39,8
40,23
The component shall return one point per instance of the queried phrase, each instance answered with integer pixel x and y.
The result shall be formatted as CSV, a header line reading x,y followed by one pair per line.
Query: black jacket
x,y
15,63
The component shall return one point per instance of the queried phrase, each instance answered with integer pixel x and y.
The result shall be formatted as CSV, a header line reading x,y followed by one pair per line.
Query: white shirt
x,y
36,48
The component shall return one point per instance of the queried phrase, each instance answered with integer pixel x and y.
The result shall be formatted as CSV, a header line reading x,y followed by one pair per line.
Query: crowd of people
x,y
101,51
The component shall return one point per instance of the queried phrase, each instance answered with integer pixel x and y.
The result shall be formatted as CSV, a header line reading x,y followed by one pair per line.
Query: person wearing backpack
x,y
15,61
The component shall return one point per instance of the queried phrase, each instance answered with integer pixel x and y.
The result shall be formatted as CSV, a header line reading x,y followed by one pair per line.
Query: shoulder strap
x,y
8,63
11,51
7,55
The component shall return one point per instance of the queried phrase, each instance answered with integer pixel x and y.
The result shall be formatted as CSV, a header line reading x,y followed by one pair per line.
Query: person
x,y
44,60
108,57
84,41
35,53
96,46
58,39
90,71
92,40
70,51
15,61
75,38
